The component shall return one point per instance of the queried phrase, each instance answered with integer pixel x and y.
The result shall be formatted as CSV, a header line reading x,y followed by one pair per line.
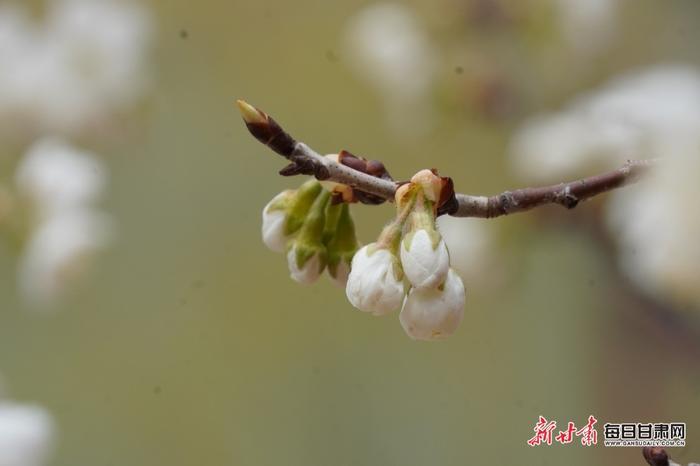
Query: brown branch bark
x,y
568,195
306,161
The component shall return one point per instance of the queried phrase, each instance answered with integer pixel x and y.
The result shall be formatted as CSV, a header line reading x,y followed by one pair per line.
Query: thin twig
x,y
565,194
326,169
304,160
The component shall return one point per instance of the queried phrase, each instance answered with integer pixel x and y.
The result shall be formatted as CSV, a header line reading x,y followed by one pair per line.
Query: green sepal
x,y
309,241
343,245
304,252
299,207
333,213
334,260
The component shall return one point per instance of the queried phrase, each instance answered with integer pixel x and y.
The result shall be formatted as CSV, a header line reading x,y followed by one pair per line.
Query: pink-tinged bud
x,y
375,284
434,313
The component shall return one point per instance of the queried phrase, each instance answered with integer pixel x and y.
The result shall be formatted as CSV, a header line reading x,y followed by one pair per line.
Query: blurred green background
x,y
190,345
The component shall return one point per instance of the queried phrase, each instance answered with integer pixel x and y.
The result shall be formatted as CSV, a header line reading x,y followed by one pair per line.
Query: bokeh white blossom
x,y
390,50
67,75
71,71
416,74
589,25
27,434
61,186
657,229
652,113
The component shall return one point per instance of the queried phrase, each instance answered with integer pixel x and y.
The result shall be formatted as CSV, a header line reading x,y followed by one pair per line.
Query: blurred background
x,y
142,320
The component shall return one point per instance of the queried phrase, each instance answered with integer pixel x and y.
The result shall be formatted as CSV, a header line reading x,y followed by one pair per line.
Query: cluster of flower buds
x,y
411,249
313,226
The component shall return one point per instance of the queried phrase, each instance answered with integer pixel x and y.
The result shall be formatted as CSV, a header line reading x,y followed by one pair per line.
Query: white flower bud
x,y
424,258
274,218
307,255
375,283
434,313
305,268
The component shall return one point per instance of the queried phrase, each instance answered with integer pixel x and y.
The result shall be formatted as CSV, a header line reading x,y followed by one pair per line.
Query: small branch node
x,y
567,198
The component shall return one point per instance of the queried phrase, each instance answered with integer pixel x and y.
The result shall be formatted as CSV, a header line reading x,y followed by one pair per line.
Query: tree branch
x,y
306,161
565,194
311,163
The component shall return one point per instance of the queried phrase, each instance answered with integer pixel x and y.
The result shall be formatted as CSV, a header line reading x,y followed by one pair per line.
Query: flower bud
x,y
375,283
342,245
424,256
301,204
307,255
404,196
434,313
430,183
306,262
274,218
251,114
